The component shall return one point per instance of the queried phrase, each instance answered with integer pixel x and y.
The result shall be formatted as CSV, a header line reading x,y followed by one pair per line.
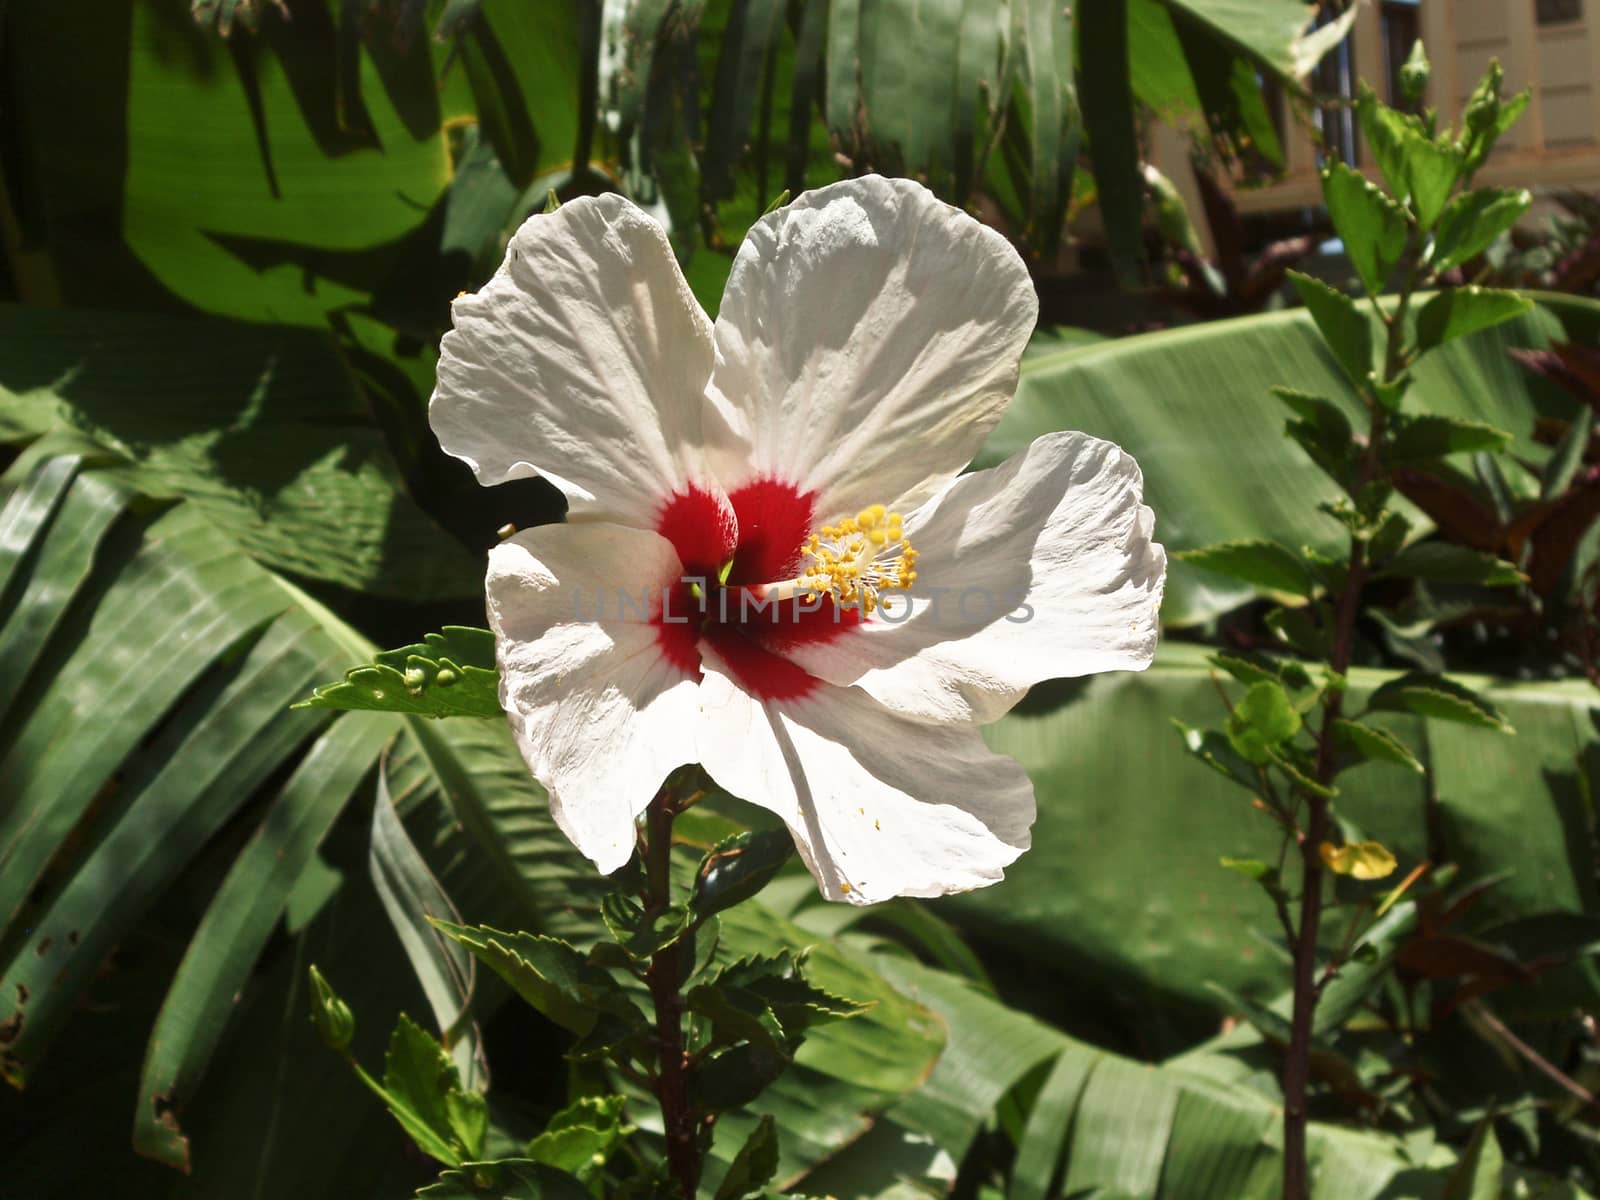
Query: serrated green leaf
x,y
1246,666
1435,696
1251,868
450,674
417,1077
549,974
1375,745
1372,226
640,935
1460,311
755,1164
1262,563
505,1179
1432,169
580,1137
734,1077
1424,438
1341,323
737,868
1445,562
1472,222
469,1120
1262,719
1477,1176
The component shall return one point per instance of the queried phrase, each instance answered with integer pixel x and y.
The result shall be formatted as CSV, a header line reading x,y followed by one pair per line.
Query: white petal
x,y
584,359
1058,535
600,713
879,805
868,341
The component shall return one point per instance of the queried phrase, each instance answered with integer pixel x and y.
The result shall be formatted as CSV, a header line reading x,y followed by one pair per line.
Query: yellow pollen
x,y
859,558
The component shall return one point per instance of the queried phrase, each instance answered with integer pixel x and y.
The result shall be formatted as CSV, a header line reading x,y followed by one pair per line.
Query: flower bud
x,y
1414,74
331,1015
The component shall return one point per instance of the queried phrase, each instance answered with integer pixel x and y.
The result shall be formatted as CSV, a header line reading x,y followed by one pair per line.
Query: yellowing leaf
x,y
1360,860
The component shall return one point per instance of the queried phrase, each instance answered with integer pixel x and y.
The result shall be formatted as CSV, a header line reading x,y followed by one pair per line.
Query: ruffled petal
x,y
592,673
879,805
1042,568
868,341
585,360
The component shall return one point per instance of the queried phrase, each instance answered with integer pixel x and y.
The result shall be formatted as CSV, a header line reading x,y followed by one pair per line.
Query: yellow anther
x,y
857,559
878,537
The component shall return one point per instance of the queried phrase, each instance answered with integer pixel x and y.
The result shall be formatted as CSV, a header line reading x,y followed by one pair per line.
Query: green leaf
x,y
1432,170
1569,453
642,937
1473,221
1418,439
1460,311
1478,1175
549,974
1371,225
1343,326
449,674
1263,719
505,1179
1372,744
417,1076
1217,752
1262,563
410,896
1184,400
468,1113
1435,696
754,1166
581,1136
737,868
1445,562
1251,868
1389,135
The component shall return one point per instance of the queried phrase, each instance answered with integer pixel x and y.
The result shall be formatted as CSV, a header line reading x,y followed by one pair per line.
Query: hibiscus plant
x,y
773,581
1290,734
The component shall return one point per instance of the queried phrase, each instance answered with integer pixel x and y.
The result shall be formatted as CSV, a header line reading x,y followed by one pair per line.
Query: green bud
x,y
1483,106
1414,74
331,1015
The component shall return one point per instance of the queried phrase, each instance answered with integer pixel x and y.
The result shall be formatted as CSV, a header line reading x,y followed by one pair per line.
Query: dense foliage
x,y
230,244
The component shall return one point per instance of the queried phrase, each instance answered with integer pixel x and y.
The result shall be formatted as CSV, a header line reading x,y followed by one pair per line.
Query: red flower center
x,y
729,547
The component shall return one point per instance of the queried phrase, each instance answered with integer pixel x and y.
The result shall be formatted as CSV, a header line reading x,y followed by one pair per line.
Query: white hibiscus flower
x,y
770,565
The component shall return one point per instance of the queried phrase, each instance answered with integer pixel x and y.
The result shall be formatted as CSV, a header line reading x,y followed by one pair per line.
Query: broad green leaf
x,y
1217,751
1460,311
1262,563
1186,401
450,674
754,1165
262,429
1423,438
1435,696
1323,430
1445,562
1373,744
447,972
1372,226
1343,326
1473,221
240,921
1389,135
1043,1143
505,1179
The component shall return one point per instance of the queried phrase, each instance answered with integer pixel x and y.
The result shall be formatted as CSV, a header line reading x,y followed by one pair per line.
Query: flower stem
x,y
1307,988
664,977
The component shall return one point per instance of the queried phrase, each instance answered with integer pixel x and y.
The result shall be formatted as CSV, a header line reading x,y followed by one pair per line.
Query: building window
x,y
1559,12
